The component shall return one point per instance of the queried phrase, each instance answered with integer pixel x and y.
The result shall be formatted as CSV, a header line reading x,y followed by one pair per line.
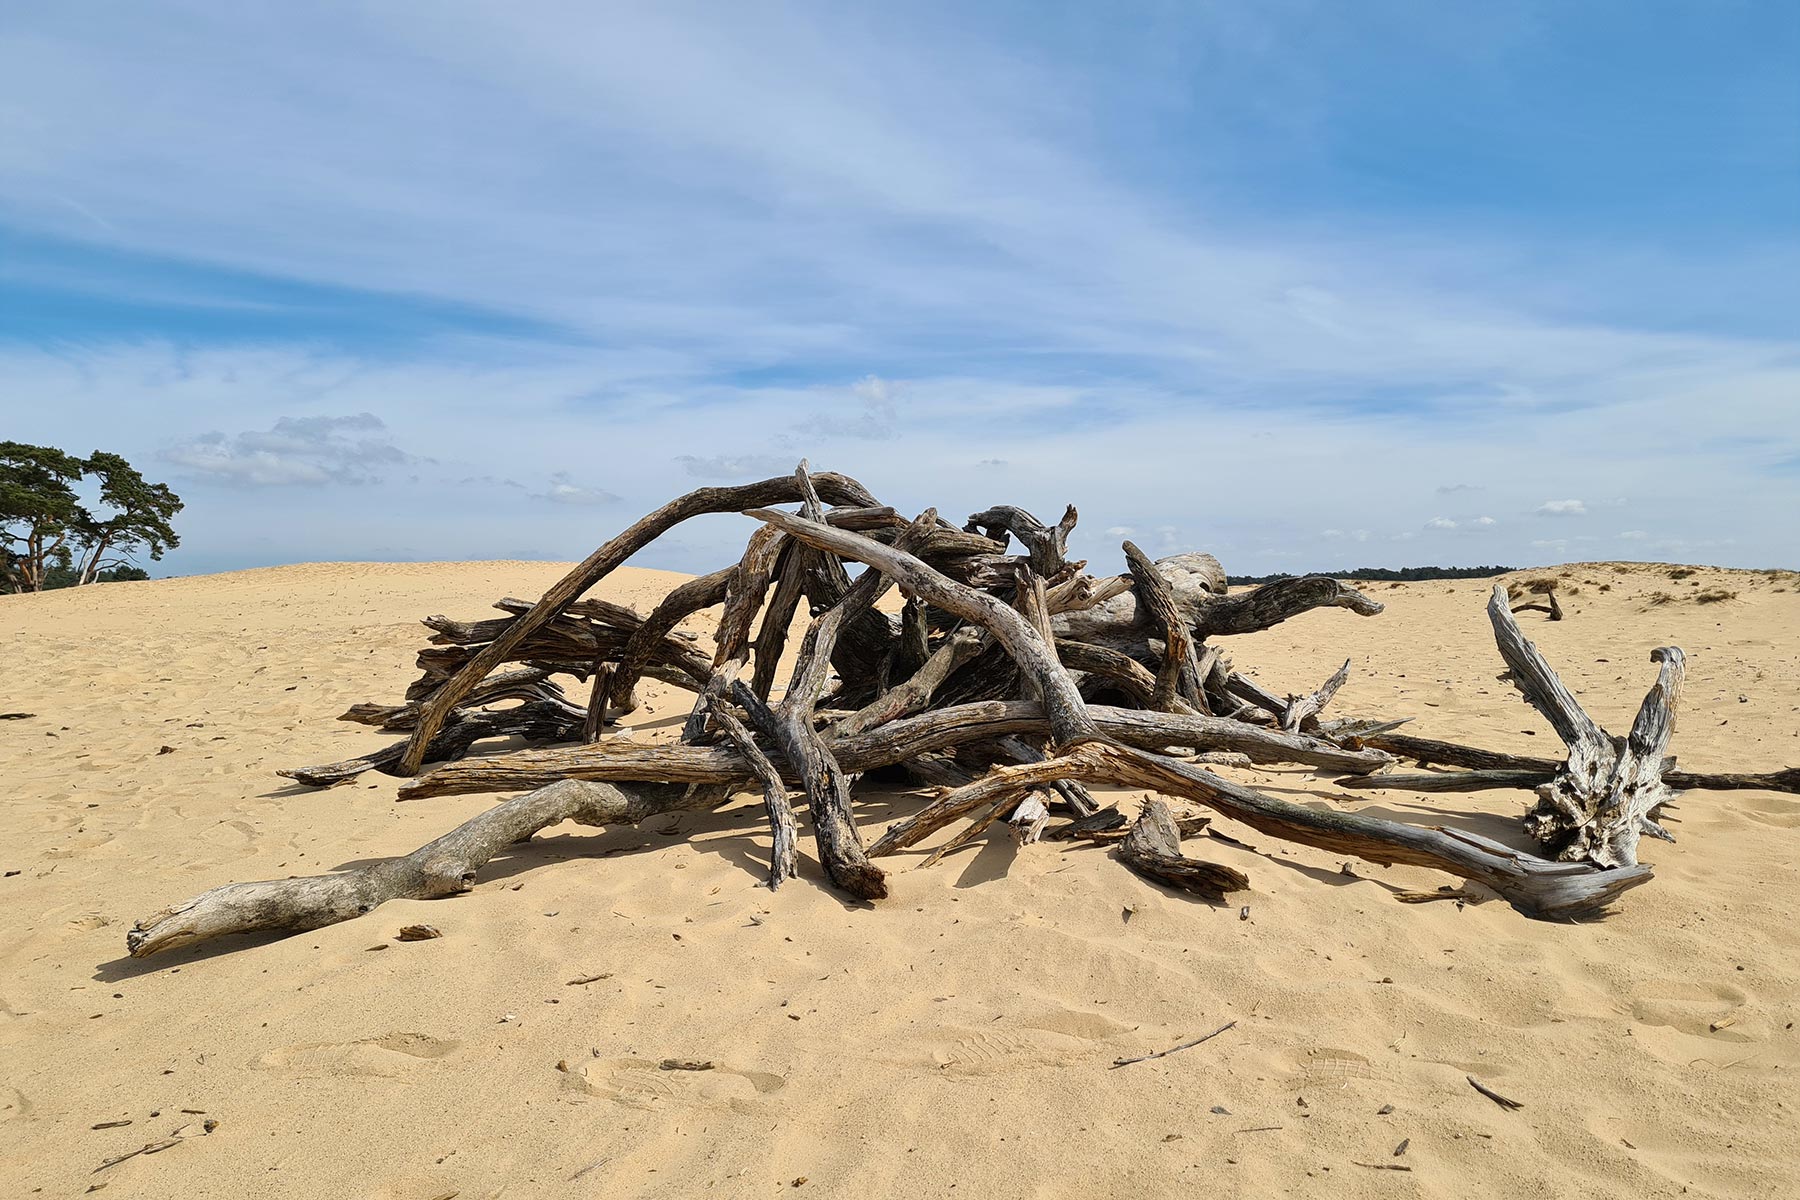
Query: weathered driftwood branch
x,y
1551,606
1197,582
679,604
1067,714
1431,751
1179,677
1787,780
1152,848
596,567
443,867
784,852
1604,796
808,753
732,645
995,789
1302,708
1075,797
1271,604
527,683
894,742
908,698
538,720
1535,886
1045,545
1447,781
778,616
1495,769
598,710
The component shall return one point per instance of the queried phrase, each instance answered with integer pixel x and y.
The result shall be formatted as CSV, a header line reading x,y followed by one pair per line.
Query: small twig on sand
x,y
1126,1062
1491,1094
185,1133
146,1148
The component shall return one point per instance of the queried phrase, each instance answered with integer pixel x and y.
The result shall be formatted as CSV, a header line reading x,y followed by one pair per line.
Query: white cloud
x,y
1484,522
1440,523
563,490
1633,535
294,450
1562,508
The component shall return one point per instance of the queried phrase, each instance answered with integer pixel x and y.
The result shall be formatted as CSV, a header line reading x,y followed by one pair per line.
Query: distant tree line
x,y
1396,574
49,538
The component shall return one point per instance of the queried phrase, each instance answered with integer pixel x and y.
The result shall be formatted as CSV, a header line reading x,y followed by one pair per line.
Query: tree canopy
x,y
44,525
141,512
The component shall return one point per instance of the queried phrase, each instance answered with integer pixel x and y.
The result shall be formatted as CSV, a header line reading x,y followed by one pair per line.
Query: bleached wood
x,y
1603,797
443,867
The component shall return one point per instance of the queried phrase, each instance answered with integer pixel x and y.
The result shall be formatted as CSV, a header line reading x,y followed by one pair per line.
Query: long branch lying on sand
x,y
1008,680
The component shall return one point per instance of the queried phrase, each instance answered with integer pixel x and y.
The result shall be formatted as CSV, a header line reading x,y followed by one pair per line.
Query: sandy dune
x,y
953,1042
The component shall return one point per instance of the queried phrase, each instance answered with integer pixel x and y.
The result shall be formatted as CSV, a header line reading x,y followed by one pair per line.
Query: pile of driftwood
x,y
1009,681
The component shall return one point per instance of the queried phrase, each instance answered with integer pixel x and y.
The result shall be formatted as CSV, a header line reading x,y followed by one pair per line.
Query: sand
x,y
954,1041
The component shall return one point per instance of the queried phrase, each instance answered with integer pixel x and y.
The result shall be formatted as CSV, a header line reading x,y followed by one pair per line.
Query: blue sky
x,y
1309,285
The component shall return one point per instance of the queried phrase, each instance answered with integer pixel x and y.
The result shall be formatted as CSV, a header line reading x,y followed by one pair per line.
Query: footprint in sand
x,y
13,1105
75,845
1686,1007
382,1057
233,835
1024,1043
57,819
642,1083
1328,1066
1090,1026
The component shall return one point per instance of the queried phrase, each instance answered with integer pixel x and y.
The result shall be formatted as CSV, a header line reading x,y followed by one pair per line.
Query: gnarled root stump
x,y
1604,797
